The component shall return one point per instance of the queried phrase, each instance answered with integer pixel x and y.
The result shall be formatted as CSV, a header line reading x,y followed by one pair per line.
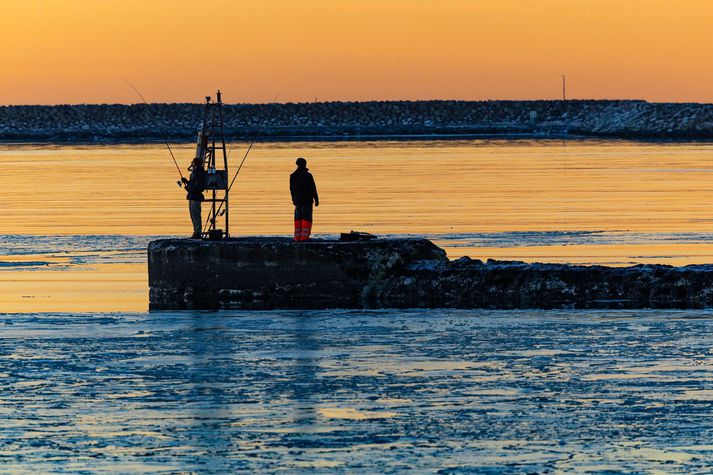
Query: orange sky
x,y
78,51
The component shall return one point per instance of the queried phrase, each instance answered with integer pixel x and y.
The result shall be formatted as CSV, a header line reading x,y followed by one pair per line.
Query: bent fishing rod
x,y
259,132
160,132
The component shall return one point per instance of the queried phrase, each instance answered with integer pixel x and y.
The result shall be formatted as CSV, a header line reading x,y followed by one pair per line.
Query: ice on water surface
x,y
368,391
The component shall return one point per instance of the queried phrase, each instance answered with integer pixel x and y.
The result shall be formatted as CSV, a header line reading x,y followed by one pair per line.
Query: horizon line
x,y
357,102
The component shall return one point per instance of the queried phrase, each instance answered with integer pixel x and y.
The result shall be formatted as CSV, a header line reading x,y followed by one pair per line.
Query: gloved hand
x,y
316,203
184,180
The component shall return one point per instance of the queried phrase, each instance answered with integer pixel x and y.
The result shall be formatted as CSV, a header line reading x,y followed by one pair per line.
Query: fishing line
x,y
259,132
158,128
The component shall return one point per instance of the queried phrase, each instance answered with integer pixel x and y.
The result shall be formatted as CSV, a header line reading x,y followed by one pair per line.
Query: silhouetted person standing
x,y
304,193
195,186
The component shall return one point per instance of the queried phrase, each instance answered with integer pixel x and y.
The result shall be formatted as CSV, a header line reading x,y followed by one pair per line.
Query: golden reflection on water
x,y
96,288
385,187
400,187
613,255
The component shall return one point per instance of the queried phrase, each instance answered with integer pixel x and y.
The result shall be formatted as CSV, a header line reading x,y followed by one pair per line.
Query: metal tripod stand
x,y
209,148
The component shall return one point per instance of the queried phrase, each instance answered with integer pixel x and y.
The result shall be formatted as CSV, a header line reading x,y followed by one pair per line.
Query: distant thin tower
x,y
564,87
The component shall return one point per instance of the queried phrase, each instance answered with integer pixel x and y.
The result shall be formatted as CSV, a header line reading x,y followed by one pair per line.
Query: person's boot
x,y
298,230
195,236
306,229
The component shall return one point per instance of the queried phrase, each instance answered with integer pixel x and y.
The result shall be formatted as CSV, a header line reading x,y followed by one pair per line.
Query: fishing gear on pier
x,y
221,211
210,146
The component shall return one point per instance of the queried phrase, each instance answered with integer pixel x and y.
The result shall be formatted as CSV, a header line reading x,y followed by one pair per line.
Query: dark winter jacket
x,y
196,184
302,188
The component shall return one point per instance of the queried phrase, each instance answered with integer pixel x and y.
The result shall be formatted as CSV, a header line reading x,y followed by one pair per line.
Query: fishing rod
x,y
259,132
158,128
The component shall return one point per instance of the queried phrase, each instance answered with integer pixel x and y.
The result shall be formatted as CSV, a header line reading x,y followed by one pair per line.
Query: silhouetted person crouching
x,y
304,193
195,186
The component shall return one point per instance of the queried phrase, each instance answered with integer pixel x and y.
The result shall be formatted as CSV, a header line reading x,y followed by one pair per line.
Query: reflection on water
x,y
366,391
76,220
73,273
422,187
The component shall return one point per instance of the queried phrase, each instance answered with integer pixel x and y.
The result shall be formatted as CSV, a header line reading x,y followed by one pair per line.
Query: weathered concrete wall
x,y
277,273
258,273
600,118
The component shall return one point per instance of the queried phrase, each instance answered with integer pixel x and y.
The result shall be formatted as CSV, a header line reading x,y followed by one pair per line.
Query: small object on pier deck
x,y
215,234
356,236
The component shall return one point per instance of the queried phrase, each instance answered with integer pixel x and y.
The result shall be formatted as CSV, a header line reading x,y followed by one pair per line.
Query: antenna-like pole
x,y
564,87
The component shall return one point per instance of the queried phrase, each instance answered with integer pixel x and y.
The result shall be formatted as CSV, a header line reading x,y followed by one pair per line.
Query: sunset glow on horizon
x,y
79,51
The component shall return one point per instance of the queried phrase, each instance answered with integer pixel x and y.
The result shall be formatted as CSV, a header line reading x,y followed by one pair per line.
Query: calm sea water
x,y
89,381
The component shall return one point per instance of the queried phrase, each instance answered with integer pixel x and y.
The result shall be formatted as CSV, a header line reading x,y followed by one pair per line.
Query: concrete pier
x,y
271,273
263,273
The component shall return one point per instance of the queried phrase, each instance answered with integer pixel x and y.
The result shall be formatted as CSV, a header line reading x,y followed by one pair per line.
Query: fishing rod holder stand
x,y
211,151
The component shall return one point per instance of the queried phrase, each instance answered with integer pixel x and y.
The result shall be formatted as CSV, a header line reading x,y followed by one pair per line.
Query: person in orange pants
x,y
304,194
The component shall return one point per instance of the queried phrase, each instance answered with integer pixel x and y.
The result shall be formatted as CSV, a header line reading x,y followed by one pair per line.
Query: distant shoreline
x,y
311,138
340,121
364,138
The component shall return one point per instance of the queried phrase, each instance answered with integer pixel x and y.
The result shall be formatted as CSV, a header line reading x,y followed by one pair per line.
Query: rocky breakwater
x,y
178,122
269,273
